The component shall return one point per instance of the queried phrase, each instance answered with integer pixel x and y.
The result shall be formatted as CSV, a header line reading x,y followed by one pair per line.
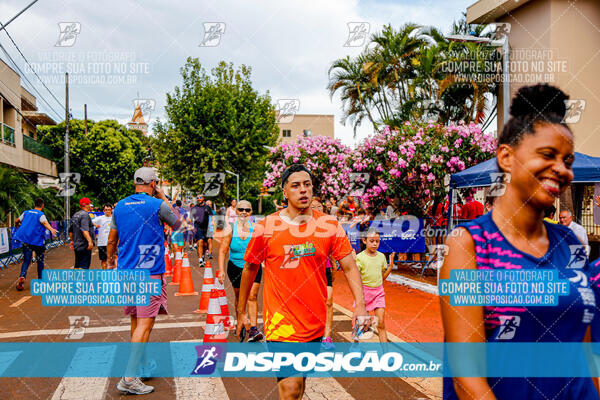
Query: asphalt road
x,y
24,319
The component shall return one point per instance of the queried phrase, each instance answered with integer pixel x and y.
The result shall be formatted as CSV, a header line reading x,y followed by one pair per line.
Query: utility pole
x,y
67,166
85,118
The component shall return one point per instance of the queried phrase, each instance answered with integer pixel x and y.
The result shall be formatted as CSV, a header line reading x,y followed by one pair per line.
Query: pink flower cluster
x,y
325,157
412,159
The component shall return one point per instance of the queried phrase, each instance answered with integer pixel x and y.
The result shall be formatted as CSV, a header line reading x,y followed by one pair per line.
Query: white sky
x,y
289,45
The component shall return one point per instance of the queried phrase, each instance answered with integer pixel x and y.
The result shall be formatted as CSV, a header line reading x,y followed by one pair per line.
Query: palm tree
x,y
19,193
348,77
393,65
401,75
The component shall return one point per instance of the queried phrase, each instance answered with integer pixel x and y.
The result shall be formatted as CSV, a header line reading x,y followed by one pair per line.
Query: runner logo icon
x,y
574,111
207,359
77,325
499,181
287,109
212,34
508,326
357,34
212,183
68,33
148,254
578,258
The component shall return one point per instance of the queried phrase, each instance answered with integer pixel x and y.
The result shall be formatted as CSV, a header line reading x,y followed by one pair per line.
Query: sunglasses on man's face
x,y
244,210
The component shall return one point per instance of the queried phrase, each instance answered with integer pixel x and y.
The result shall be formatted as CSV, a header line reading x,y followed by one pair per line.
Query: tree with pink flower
x,y
411,163
325,157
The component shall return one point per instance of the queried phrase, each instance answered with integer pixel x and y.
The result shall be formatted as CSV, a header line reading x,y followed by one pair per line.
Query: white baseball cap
x,y
144,176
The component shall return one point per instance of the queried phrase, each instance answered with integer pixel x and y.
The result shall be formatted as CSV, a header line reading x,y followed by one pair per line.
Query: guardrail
x,y
15,252
35,147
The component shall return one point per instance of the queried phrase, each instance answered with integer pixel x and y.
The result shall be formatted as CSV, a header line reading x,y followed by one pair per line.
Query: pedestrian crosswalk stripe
x,y
99,329
341,317
200,389
86,361
20,301
324,389
195,388
432,387
81,388
6,358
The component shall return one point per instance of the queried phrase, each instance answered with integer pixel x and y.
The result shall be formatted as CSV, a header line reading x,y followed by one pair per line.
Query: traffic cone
x,y
224,306
186,284
168,263
207,285
214,330
177,269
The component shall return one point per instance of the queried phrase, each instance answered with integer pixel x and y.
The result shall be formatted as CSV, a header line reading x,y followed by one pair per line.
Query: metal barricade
x,y
15,252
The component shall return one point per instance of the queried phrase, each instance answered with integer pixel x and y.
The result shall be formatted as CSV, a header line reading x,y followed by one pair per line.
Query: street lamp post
x,y
505,86
237,185
505,63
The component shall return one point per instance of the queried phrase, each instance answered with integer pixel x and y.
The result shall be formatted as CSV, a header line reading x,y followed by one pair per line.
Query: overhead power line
x,y
29,82
33,70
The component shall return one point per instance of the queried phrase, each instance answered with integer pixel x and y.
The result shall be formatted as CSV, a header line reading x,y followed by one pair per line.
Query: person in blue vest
x,y
32,226
137,230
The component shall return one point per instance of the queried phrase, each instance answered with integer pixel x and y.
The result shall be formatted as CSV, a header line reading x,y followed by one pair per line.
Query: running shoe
x,y
327,343
20,283
145,371
255,335
136,386
201,262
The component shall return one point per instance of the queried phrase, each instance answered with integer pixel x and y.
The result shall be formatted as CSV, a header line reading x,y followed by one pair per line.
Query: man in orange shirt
x,y
294,245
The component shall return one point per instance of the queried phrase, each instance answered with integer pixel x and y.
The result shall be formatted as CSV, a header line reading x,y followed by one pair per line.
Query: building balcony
x,y
35,147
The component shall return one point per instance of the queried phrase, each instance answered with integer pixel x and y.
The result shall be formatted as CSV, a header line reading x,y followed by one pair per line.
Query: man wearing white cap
x,y
137,229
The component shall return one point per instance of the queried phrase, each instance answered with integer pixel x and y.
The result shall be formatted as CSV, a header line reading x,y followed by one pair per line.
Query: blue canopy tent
x,y
586,169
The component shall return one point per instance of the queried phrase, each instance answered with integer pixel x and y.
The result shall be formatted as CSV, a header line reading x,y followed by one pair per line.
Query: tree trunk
x,y
566,201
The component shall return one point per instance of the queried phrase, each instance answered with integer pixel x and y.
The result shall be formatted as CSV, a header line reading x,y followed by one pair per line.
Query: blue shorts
x,y
200,235
177,238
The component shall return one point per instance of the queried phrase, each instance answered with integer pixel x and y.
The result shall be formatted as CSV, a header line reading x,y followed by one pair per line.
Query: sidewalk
x,y
411,314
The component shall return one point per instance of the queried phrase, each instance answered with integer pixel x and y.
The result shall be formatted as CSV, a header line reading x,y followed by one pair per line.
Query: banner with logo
x,y
196,359
400,235
94,214
4,243
15,243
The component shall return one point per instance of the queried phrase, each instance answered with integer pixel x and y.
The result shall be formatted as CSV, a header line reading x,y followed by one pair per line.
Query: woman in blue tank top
x,y
536,149
235,240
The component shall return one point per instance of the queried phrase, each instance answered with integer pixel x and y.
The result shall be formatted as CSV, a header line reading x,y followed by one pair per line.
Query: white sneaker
x,y
136,386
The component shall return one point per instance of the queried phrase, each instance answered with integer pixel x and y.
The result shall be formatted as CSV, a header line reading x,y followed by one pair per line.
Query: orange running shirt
x,y
295,288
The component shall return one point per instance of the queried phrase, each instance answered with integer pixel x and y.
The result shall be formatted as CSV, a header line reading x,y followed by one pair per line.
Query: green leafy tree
x,y
19,193
106,157
216,122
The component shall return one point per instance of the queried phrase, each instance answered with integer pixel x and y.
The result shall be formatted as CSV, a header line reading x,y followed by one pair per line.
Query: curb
x,y
422,286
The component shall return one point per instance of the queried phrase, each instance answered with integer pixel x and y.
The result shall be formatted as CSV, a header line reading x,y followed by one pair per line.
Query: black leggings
x,y
235,275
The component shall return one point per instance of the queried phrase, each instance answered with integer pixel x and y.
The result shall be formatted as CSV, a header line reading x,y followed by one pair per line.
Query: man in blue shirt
x,y
200,215
32,233
137,230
